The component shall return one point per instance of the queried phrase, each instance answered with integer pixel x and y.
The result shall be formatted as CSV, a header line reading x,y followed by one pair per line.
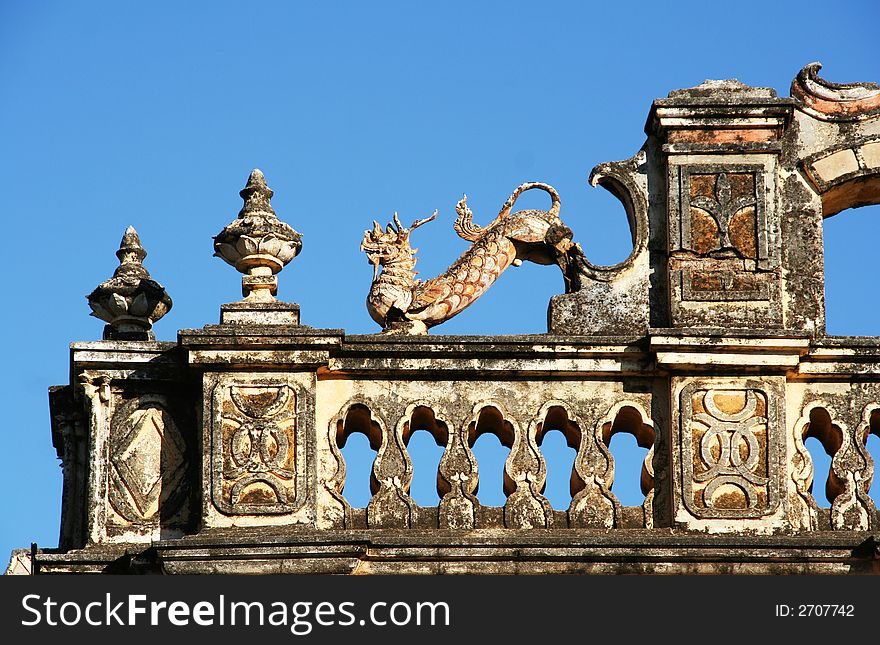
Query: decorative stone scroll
x,y
829,101
256,449
729,458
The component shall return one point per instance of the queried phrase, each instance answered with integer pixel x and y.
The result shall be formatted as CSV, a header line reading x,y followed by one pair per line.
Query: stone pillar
x,y
728,293
129,478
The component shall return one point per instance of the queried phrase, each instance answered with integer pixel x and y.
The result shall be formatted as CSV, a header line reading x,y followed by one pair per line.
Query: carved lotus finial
x,y
257,243
131,301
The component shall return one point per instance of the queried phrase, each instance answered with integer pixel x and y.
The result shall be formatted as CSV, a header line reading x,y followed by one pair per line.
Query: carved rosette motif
x,y
147,455
255,450
728,454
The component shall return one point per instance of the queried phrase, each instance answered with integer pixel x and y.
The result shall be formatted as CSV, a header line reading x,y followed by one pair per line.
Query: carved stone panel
x,y
257,450
148,460
729,450
722,232
722,212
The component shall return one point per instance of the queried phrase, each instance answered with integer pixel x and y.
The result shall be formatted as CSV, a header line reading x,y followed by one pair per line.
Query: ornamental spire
x,y
131,301
257,243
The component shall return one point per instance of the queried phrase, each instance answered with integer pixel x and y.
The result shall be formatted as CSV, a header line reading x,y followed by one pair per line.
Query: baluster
x,y
805,511
335,511
457,483
853,509
525,473
391,505
594,505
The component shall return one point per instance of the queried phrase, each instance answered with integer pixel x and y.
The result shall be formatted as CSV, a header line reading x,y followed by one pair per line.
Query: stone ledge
x,y
662,551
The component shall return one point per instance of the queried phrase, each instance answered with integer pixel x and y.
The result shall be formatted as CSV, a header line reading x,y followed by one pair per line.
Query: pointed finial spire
x,y
257,196
131,255
130,302
257,243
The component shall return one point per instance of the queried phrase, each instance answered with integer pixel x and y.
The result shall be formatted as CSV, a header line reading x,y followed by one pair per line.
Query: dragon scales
x,y
402,304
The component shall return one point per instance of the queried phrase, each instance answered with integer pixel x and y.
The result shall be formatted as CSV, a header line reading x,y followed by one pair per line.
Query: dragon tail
x,y
554,197
465,226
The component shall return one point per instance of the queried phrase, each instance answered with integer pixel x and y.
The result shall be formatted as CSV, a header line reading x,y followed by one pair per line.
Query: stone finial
x,y
130,302
257,243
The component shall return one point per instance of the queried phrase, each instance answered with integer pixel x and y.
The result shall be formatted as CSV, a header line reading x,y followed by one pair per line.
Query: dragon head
x,y
392,244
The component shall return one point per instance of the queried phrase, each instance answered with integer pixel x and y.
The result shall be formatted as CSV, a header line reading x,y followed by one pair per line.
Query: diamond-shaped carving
x,y
147,453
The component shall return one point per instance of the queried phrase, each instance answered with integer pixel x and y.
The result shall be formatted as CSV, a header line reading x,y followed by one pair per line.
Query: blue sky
x,y
153,114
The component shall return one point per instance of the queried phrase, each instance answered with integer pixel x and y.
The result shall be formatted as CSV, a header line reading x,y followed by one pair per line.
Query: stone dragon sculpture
x,y
402,304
